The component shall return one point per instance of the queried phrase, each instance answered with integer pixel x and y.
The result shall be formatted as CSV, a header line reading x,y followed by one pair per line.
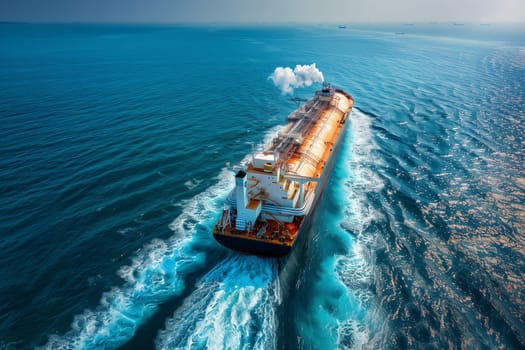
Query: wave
x,y
232,307
155,274
361,178
353,269
333,306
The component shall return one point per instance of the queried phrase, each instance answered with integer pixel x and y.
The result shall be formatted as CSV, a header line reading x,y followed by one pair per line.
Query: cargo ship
x,y
277,189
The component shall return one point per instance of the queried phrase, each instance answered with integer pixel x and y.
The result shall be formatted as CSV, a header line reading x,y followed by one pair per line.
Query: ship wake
x,y
156,274
353,269
232,307
335,304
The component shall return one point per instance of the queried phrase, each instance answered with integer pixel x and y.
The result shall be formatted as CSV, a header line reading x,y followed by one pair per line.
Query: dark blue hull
x,y
250,246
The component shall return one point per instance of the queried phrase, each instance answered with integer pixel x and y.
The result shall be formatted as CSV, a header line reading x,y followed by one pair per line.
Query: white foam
x,y
362,179
156,273
232,307
352,269
354,272
191,184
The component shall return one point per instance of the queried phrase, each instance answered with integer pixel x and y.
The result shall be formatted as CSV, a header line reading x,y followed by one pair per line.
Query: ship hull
x,y
253,247
273,250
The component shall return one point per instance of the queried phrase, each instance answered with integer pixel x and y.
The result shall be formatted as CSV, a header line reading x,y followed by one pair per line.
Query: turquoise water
x,y
114,142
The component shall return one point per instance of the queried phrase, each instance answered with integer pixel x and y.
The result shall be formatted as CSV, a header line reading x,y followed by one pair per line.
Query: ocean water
x,y
114,141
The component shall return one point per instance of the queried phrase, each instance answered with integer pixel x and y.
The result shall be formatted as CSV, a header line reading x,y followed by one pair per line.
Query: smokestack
x,y
241,197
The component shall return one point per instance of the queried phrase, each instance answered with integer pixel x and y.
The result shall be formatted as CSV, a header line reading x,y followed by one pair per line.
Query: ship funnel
x,y
241,190
241,197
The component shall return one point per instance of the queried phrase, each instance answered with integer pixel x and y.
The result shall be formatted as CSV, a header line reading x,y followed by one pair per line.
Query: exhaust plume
x,y
287,79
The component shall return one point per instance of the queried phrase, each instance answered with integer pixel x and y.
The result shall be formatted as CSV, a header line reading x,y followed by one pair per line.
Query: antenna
x,y
253,150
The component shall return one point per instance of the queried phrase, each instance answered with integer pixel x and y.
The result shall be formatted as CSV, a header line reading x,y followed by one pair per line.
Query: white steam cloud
x,y
287,79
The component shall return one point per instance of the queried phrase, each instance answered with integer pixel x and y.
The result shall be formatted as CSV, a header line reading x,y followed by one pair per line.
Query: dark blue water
x,y
114,140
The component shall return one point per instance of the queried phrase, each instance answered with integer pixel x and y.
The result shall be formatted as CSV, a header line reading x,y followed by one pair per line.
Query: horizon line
x,y
285,23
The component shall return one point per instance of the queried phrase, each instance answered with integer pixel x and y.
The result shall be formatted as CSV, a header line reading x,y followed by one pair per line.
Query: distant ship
x,y
277,190
342,27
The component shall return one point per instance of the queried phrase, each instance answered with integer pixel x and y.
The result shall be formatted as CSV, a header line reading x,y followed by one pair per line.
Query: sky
x,y
262,11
